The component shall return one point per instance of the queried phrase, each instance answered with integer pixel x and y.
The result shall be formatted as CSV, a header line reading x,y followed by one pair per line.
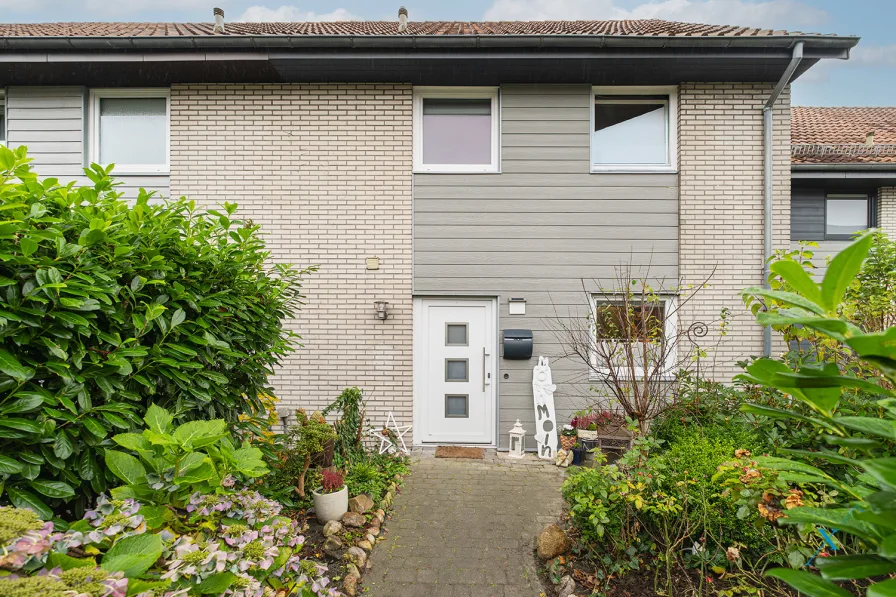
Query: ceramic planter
x,y
567,441
330,506
587,433
578,456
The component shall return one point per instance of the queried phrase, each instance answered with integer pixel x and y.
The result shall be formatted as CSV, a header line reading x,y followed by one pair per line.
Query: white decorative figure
x,y
545,417
387,443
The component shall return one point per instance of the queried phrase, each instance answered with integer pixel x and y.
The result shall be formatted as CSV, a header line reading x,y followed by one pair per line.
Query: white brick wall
x,y
886,210
721,206
326,171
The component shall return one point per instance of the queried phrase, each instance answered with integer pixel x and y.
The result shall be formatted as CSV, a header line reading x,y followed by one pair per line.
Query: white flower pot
x,y
330,506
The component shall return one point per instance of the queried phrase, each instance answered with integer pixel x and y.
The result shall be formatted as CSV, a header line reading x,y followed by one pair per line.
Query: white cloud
x,y
884,56
766,14
288,13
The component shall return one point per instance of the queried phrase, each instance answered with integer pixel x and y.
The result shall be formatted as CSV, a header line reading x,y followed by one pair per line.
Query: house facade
x,y
481,179
844,176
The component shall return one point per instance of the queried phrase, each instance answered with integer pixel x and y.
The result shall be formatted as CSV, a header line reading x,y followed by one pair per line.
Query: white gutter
x,y
768,164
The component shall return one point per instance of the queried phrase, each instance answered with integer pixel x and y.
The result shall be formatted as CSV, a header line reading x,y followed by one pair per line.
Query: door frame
x,y
419,354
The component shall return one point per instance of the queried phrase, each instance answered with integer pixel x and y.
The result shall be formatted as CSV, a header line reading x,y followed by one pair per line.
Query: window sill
x,y
131,172
633,170
454,171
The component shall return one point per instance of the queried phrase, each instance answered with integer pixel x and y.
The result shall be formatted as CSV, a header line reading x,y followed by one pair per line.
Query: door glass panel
x,y
456,334
456,370
456,406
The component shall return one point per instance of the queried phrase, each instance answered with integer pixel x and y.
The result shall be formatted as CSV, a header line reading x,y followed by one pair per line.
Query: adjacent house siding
x,y
545,230
326,171
721,206
52,123
886,210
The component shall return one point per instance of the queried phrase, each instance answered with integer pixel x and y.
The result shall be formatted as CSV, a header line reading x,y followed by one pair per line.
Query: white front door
x,y
454,371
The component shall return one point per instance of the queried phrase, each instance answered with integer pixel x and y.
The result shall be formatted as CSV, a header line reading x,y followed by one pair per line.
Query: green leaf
x,y
28,246
888,547
94,427
808,584
23,405
125,467
798,279
20,424
872,426
155,516
836,518
66,562
87,465
886,588
9,466
854,566
62,447
196,434
133,555
882,469
216,583
53,489
132,441
842,271
250,461
21,498
158,419
789,298
178,318
11,366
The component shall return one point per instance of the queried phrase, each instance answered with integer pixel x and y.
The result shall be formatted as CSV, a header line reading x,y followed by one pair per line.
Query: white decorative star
x,y
387,445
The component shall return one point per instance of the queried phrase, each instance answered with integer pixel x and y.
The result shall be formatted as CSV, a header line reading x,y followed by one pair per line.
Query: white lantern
x,y
517,441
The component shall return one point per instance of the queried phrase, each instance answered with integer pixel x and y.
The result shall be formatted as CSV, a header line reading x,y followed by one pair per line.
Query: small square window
x,y
845,215
633,130
457,406
457,370
456,130
130,129
456,334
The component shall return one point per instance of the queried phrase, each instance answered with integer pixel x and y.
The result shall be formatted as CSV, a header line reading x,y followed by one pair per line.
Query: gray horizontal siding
x,y
822,254
807,214
51,122
544,229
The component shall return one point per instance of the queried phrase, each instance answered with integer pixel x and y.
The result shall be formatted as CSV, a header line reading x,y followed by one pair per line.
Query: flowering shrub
x,y
234,544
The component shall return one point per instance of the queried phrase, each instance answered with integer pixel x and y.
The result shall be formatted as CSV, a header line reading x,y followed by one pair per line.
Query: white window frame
x,y
491,93
671,165
671,331
94,140
5,129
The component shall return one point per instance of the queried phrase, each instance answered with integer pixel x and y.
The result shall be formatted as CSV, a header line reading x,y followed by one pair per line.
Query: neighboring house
x,y
843,175
446,168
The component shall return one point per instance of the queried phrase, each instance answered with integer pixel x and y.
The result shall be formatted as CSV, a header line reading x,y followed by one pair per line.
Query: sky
x,y
868,78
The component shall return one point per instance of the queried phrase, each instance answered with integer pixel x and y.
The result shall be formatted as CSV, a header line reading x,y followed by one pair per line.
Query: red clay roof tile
x,y
840,135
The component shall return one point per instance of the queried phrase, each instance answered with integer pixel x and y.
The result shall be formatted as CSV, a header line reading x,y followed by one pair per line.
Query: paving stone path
x,y
466,528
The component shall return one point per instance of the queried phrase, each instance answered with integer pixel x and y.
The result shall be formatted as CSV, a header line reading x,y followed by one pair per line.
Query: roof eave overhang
x,y
816,46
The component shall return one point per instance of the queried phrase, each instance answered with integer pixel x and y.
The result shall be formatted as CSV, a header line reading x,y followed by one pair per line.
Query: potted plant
x,y
567,437
578,454
331,498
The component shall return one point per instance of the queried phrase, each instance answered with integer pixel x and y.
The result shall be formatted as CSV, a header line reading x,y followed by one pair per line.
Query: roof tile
x,y
643,27
838,135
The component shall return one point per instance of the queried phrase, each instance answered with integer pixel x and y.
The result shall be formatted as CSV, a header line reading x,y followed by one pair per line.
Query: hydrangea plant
x,y
233,544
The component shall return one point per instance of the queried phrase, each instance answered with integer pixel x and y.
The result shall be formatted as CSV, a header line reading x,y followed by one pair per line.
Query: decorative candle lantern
x,y
517,441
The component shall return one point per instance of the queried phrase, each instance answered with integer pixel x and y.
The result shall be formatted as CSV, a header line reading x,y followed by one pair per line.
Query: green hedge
x,y
107,306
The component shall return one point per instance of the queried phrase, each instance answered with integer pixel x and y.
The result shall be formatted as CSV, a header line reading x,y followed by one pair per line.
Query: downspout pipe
x,y
768,165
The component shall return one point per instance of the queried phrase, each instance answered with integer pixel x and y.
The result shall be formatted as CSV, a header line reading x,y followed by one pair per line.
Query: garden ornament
x,y
391,436
545,417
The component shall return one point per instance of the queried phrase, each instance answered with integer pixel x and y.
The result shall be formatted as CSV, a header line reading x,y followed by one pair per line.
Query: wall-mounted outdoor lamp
x,y
381,307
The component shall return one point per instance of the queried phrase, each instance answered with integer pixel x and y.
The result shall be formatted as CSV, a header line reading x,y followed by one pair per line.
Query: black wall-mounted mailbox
x,y
518,344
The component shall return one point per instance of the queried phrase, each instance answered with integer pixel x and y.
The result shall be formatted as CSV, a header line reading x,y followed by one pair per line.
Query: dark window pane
x,y
456,107
456,406
637,322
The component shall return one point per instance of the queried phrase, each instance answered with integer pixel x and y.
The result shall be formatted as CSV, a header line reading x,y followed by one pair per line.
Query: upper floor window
x,y
130,128
844,215
456,129
634,129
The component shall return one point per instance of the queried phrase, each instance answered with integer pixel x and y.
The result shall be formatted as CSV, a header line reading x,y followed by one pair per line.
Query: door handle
x,y
485,375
